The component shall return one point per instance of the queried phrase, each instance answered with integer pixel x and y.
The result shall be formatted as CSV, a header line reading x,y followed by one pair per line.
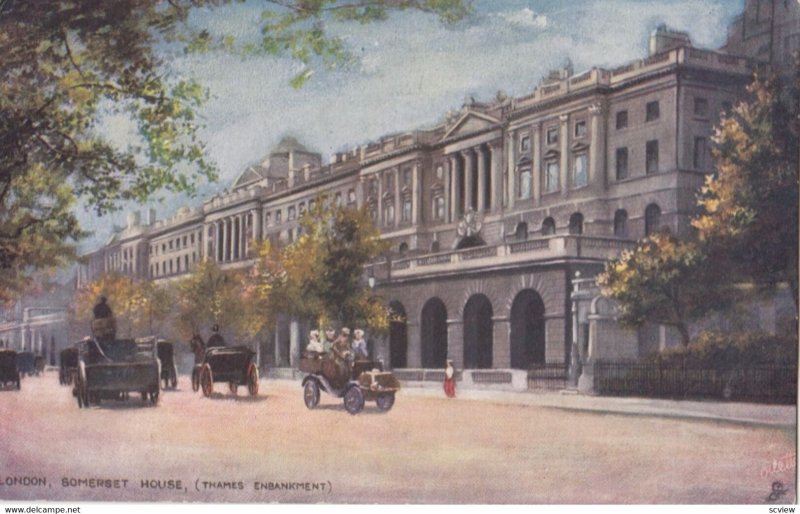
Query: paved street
x,y
427,449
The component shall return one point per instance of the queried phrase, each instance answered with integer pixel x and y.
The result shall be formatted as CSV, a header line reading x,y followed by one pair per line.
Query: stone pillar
x,y
455,200
481,157
242,236
277,344
564,139
469,175
511,166
496,175
220,237
414,353
380,220
294,343
597,175
455,342
536,164
258,228
501,348
225,240
415,194
398,199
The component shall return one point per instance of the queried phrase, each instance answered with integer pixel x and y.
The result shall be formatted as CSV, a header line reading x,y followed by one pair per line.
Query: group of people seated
x,y
340,346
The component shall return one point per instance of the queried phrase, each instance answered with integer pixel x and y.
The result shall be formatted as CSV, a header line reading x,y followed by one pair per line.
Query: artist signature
x,y
778,491
779,465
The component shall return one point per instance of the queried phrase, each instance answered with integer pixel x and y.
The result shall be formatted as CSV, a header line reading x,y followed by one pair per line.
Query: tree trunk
x,y
684,331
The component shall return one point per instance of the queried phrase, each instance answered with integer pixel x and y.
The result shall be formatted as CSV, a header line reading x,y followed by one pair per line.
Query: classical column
x,y
597,149
228,239
496,173
414,345
481,156
294,343
469,172
379,217
501,347
258,227
564,118
223,235
447,189
415,193
242,236
398,198
454,199
511,183
536,163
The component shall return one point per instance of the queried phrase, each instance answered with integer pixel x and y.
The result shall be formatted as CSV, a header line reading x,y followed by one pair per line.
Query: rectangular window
x,y
701,107
552,135
700,151
622,163
406,178
351,196
551,177
580,129
653,112
438,207
406,210
525,143
337,200
290,214
266,219
524,184
580,174
651,160
439,172
191,238
622,120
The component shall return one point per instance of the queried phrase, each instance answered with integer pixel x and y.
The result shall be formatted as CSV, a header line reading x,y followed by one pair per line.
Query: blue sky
x,y
411,71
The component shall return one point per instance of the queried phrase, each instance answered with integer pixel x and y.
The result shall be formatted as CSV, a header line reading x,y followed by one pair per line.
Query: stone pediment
x,y
248,176
469,123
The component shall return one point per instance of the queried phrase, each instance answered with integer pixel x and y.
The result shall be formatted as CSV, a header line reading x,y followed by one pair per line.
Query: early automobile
x,y
68,365
113,369
26,363
169,369
355,381
231,364
9,373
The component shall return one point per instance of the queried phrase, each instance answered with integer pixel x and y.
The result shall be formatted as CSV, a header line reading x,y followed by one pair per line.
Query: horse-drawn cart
x,y
114,369
355,381
68,365
233,365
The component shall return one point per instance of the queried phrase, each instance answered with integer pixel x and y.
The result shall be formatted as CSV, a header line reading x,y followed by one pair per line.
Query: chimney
x,y
664,39
133,220
151,217
291,175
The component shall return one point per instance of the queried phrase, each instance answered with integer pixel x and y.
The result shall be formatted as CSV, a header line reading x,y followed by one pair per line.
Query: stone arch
x,y
527,337
478,332
433,333
398,336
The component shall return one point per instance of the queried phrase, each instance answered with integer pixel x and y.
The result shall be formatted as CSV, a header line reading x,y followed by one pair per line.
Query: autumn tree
x,y
68,67
662,280
140,307
749,218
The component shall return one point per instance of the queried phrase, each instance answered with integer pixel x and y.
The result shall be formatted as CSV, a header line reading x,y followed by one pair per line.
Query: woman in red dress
x,y
450,380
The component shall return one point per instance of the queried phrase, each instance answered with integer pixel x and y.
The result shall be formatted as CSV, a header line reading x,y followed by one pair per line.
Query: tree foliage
x,y
320,276
90,110
140,306
749,217
662,280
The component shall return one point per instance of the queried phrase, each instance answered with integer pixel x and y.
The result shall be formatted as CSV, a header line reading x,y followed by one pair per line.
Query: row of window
x,y
293,213
175,244
167,268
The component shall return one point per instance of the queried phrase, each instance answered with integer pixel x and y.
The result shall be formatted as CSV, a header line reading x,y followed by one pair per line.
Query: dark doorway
x,y
527,330
478,333
433,332
398,336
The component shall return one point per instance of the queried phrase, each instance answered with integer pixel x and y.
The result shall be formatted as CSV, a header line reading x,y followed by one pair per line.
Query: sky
x,y
411,70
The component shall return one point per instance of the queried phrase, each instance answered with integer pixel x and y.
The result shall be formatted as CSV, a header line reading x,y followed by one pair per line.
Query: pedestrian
x,y
330,338
314,344
360,345
216,338
450,380
102,310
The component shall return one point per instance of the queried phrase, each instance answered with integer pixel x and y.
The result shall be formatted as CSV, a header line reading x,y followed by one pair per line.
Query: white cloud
x,y
524,17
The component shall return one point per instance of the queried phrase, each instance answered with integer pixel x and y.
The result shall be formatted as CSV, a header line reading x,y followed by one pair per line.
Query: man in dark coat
x,y
102,309
216,338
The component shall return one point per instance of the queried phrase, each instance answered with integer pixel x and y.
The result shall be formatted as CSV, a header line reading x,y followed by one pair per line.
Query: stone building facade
x,y
490,214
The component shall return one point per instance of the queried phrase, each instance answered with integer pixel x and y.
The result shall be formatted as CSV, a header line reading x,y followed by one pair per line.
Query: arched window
x,y
403,249
521,234
652,219
548,227
576,224
621,223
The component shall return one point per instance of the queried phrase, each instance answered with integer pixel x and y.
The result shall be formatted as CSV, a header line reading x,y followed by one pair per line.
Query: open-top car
x,y
355,381
231,364
9,373
114,368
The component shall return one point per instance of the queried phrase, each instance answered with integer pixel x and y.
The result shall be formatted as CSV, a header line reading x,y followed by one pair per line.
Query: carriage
x,y
9,373
231,364
169,369
68,365
26,363
355,381
112,369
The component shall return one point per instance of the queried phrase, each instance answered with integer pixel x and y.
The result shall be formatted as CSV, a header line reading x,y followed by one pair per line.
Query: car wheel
x,y
385,401
311,394
207,380
252,379
354,400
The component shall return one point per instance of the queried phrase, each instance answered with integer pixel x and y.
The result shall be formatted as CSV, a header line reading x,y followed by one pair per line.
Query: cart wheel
x,y
354,400
173,377
154,396
195,379
206,380
252,379
385,401
311,394
234,387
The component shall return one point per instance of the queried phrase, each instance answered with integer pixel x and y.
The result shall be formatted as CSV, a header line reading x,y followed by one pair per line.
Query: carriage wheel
x,y
195,379
234,387
252,379
154,396
354,400
173,377
206,380
311,394
385,401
